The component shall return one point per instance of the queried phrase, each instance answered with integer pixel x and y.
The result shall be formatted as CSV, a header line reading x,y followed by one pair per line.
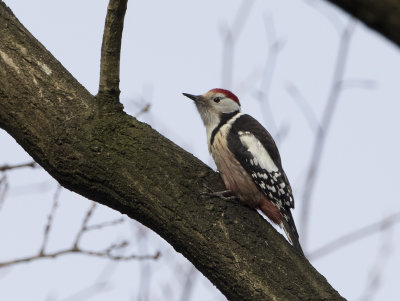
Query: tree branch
x,y
229,37
355,236
322,130
50,220
75,248
382,16
111,49
9,167
104,254
111,158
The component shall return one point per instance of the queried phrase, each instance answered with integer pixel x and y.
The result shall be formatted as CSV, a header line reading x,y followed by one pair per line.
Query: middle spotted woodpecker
x,y
247,158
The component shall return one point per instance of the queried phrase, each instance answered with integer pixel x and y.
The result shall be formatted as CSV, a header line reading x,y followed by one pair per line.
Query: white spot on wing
x,y
260,154
262,175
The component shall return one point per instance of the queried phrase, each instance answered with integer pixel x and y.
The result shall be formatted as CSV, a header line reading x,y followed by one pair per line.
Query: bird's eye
x,y
217,99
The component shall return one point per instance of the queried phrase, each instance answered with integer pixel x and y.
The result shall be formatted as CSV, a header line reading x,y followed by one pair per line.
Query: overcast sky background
x,y
176,46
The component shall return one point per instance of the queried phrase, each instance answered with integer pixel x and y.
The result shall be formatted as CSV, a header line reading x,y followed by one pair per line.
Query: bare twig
x,y
355,236
141,237
3,180
84,225
111,48
358,83
32,188
142,103
143,110
3,189
50,219
96,288
230,36
275,45
103,254
75,249
330,14
375,276
105,224
6,167
323,129
189,284
99,285
304,106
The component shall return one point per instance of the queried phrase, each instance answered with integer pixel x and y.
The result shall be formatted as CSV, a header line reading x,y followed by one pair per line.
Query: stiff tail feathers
x,y
291,232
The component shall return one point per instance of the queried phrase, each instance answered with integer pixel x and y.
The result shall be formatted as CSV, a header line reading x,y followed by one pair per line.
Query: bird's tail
x,y
288,225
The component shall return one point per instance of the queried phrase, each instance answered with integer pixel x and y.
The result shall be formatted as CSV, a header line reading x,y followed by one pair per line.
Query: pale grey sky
x,y
170,47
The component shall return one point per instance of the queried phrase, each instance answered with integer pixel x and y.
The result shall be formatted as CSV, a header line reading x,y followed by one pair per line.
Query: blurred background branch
x,y
353,237
75,248
323,129
230,36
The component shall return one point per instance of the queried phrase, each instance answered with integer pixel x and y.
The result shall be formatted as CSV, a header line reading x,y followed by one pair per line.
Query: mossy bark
x,y
92,147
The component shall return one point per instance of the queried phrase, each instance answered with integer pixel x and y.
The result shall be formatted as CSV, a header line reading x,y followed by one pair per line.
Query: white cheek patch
x,y
260,155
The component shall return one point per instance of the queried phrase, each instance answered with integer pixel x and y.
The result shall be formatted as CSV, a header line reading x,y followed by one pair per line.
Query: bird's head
x,y
213,104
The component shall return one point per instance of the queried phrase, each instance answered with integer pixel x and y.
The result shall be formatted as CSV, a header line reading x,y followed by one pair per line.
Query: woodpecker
x,y
247,158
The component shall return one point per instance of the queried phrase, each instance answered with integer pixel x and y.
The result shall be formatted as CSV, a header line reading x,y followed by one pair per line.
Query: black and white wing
x,y
255,148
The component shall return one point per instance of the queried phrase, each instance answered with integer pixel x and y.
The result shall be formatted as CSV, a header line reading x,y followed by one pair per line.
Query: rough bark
x,y
92,147
111,49
382,15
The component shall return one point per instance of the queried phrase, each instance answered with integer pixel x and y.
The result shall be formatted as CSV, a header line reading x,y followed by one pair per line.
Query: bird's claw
x,y
220,194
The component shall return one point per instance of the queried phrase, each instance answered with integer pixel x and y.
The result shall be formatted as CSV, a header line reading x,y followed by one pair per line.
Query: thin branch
x,y
230,36
83,294
106,254
358,83
355,236
191,278
84,225
98,286
4,186
144,289
75,249
374,281
275,45
105,224
326,121
143,110
103,254
50,219
328,13
6,167
142,102
111,48
304,106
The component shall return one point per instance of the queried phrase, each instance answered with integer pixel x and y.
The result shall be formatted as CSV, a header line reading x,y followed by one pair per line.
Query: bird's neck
x,y
213,128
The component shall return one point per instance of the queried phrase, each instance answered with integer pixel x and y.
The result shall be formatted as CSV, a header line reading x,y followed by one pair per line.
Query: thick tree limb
x,y
107,156
111,49
382,16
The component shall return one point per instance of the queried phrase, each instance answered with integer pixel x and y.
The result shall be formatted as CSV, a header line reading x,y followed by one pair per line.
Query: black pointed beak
x,y
193,97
